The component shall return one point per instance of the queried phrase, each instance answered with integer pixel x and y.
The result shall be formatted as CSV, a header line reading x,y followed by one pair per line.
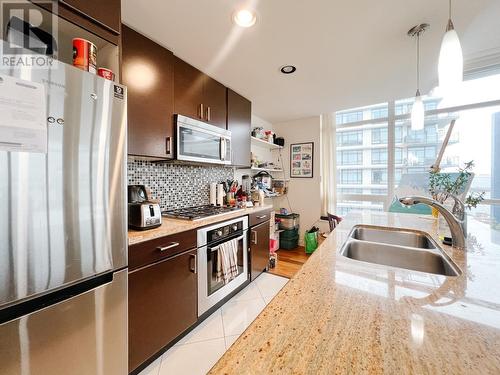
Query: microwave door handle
x,y
222,149
230,151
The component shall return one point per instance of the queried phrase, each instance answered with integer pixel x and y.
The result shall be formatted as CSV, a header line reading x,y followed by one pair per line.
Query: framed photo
x,y
301,160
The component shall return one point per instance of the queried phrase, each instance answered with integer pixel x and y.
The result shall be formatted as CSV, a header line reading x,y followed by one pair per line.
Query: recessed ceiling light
x,y
288,69
244,18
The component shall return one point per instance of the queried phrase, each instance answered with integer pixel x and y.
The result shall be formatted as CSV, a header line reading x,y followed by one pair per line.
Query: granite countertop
x,y
338,315
171,226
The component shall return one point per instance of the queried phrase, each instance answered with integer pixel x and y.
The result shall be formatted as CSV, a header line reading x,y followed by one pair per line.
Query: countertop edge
x,y
173,226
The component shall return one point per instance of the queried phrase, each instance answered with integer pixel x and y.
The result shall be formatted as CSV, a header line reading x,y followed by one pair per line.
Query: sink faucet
x,y
454,218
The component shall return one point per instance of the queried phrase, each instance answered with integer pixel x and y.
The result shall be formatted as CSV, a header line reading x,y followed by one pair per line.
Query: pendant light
x,y
451,60
417,110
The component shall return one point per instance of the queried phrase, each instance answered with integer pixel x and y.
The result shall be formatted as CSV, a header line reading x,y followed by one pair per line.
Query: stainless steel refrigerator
x,y
63,233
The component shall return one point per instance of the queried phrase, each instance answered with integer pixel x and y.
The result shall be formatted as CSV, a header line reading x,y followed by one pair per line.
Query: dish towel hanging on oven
x,y
227,261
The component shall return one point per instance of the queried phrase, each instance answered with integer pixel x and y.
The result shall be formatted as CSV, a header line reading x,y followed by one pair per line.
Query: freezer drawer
x,y
85,334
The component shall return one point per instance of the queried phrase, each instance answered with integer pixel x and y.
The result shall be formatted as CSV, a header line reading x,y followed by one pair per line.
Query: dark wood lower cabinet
x,y
162,304
259,248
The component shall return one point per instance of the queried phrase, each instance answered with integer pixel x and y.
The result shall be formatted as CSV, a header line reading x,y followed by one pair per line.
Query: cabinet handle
x,y
169,246
209,114
169,146
194,268
261,217
202,113
254,240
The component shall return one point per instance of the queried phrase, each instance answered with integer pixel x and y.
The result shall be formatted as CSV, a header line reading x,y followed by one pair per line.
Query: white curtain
x,y
328,164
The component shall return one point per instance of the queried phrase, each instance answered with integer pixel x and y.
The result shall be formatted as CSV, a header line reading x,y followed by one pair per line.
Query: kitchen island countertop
x,y
171,226
341,316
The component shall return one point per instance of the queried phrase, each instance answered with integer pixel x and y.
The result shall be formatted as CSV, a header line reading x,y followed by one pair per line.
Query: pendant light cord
x,y
418,61
449,11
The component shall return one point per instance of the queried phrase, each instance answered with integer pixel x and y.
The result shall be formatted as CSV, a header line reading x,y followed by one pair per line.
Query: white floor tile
x,y
201,349
237,316
267,299
250,292
192,359
153,368
230,340
210,328
270,285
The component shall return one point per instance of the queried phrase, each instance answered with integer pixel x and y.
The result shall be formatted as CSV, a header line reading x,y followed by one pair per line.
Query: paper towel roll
x,y
220,195
213,193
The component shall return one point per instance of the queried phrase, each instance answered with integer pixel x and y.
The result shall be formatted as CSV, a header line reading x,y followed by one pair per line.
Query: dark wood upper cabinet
x,y
215,102
239,116
107,13
148,73
101,18
162,300
188,88
198,95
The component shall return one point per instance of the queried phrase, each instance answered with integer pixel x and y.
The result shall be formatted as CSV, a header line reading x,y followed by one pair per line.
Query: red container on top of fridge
x,y
106,73
85,55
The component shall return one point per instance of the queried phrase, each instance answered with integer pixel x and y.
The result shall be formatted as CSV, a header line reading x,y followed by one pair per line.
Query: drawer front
x,y
259,217
151,251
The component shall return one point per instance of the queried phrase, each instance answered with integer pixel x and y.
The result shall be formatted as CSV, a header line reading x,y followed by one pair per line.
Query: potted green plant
x,y
442,185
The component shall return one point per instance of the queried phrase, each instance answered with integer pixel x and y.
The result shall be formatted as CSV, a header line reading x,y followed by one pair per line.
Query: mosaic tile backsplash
x,y
176,185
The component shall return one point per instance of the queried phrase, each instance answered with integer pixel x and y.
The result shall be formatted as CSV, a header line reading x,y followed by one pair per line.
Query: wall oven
x,y
210,290
200,142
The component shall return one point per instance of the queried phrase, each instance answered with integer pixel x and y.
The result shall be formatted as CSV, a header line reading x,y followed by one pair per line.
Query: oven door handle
x,y
218,246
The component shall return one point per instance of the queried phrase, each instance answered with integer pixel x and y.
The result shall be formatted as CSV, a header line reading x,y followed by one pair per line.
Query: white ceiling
x,y
348,53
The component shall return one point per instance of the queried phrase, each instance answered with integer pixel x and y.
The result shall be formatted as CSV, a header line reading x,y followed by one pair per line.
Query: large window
x,y
379,142
379,156
361,146
398,158
351,176
422,155
399,134
380,112
379,176
428,135
353,157
379,136
347,117
350,138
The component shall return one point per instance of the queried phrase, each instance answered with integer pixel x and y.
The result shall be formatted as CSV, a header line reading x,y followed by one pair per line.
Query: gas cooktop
x,y
199,212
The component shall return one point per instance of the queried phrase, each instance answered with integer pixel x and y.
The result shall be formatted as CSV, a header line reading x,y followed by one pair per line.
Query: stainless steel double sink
x,y
396,247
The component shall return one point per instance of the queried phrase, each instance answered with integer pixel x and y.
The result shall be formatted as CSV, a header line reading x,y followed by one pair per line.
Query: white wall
x,y
304,194
262,153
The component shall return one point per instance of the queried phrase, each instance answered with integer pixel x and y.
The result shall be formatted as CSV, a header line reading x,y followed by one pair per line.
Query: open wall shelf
x,y
261,143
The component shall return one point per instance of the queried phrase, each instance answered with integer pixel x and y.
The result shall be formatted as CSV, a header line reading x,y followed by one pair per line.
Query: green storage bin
x,y
289,234
289,243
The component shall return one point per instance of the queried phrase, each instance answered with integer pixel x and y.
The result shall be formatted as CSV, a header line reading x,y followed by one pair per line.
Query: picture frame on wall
x,y
302,160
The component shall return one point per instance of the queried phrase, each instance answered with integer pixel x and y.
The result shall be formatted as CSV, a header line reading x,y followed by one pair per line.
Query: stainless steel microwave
x,y
200,142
